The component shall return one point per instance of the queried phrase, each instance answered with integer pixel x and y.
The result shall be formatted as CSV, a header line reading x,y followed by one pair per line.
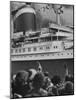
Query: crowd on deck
x,y
37,83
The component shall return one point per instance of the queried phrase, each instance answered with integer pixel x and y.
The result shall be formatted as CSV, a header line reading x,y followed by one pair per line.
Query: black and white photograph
x,y
41,49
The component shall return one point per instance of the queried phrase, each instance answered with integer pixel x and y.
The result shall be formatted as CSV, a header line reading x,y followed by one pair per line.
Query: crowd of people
x,y
37,83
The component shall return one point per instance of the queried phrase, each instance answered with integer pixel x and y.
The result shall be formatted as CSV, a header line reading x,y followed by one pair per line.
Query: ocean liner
x,y
29,43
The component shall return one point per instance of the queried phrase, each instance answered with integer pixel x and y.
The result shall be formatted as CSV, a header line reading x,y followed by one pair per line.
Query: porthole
x,y
11,50
41,48
34,48
47,54
29,49
19,50
47,47
67,53
61,53
42,54
58,54
23,49
71,53
54,46
16,50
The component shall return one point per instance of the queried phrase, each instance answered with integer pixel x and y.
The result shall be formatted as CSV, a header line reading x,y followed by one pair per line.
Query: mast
x,y
58,11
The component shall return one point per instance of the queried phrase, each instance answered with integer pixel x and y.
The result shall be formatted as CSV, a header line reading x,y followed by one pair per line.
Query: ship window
x,y
36,40
62,54
54,37
30,55
34,48
23,49
42,54
55,46
71,53
61,37
29,49
19,50
41,48
58,54
52,54
11,50
47,47
16,50
47,54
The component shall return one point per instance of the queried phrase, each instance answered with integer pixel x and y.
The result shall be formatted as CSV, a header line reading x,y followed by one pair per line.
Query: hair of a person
x,y
38,80
69,87
69,78
56,79
21,77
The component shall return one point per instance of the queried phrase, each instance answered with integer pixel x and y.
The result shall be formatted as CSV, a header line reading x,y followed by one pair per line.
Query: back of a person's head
x,y
69,87
69,78
21,77
54,90
46,73
56,79
38,80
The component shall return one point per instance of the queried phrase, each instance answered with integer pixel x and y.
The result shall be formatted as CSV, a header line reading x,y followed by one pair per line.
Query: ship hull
x,y
67,54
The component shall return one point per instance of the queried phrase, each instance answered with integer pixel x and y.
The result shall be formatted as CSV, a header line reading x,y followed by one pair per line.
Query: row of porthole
x,y
29,49
56,54
43,55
